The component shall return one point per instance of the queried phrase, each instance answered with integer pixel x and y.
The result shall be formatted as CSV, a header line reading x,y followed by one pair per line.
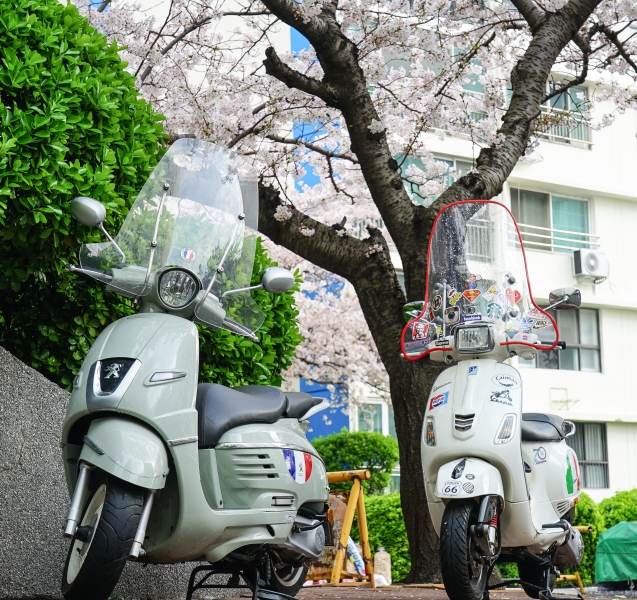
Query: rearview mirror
x,y
88,211
412,310
565,299
277,280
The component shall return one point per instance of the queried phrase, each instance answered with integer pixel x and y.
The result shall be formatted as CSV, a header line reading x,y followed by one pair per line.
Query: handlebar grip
x,y
561,345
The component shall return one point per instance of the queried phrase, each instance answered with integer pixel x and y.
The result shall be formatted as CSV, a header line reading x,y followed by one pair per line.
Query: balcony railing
x,y
572,129
558,240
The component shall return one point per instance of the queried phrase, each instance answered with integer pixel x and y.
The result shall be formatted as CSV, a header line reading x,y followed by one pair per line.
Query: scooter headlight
x,y
476,338
177,288
507,430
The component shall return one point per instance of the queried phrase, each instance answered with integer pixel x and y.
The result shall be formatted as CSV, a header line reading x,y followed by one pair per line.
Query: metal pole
x,y
77,502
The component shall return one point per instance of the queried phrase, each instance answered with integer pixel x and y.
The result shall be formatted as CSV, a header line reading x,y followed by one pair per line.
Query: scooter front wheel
x,y
100,547
464,576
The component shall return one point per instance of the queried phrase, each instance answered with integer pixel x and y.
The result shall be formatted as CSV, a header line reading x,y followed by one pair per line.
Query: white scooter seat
x,y
538,427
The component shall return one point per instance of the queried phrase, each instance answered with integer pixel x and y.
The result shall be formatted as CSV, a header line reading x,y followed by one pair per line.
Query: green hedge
x,y
387,528
73,124
620,507
587,512
345,451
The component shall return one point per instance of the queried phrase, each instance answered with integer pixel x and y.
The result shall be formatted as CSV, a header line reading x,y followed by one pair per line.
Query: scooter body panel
x,y
473,393
189,520
481,479
256,464
127,449
469,402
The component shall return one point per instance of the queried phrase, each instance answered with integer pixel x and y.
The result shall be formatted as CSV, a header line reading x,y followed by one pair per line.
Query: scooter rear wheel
x,y
109,523
464,576
286,579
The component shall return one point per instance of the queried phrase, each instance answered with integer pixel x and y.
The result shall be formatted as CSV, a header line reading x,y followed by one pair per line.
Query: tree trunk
x,y
410,384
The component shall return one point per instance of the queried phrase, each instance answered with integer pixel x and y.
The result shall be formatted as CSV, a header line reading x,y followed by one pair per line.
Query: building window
x,y
589,443
549,222
375,417
580,330
565,116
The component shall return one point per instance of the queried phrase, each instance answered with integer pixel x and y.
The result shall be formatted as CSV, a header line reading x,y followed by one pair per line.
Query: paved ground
x,y
408,592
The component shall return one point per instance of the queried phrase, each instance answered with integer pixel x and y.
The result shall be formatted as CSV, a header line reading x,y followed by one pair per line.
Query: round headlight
x,y
177,288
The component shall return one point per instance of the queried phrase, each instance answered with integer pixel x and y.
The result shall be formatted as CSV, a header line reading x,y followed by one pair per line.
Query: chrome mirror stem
x,y
112,241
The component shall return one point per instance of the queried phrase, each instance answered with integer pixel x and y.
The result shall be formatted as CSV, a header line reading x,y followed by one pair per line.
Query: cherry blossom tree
x,y
356,111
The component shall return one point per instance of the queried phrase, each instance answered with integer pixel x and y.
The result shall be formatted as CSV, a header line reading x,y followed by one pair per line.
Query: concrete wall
x,y
34,498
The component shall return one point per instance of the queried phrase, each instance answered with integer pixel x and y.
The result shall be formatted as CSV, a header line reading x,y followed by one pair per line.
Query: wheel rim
x,y
80,549
287,575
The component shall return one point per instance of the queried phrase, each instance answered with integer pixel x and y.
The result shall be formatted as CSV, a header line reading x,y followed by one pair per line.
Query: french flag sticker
x,y
299,464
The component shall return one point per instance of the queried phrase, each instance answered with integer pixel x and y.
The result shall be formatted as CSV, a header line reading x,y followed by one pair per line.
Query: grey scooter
x,y
162,469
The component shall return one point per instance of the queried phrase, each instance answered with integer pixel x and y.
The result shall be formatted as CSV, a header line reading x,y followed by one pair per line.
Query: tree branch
x,y
275,67
313,147
102,7
614,39
531,12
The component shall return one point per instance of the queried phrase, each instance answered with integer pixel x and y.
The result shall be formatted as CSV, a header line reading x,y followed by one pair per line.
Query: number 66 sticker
x,y
451,488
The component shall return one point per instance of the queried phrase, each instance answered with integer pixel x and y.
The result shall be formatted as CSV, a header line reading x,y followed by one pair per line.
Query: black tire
x,y
531,572
463,576
286,579
96,574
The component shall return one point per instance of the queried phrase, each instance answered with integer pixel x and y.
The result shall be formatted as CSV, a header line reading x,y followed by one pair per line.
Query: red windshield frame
x,y
528,282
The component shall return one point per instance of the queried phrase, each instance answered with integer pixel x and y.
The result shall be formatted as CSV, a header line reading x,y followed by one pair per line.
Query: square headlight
x,y
474,338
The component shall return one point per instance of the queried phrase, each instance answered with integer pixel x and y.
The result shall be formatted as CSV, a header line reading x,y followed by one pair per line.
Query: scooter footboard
x,y
128,450
468,478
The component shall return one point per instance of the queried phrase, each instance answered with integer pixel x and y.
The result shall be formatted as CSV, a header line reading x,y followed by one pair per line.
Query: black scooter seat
x,y
538,427
221,408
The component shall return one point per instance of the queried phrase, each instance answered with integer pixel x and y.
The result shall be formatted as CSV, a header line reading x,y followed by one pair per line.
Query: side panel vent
x,y
464,422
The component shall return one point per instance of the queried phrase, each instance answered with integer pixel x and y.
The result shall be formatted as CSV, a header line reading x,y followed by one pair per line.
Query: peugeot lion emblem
x,y
113,371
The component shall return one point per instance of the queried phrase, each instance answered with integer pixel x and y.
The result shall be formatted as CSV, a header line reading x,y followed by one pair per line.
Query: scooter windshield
x,y
197,211
477,274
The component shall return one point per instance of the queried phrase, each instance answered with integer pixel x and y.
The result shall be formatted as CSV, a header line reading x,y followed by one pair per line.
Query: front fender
x,y
128,450
478,478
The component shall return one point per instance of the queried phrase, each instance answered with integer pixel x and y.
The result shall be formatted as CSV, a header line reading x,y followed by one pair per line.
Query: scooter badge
x,y
299,464
112,371
188,254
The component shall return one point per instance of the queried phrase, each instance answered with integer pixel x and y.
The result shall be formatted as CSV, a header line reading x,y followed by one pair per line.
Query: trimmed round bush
x,y
74,125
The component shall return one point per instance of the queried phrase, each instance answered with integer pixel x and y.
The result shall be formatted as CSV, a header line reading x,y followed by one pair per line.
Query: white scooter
x,y
501,484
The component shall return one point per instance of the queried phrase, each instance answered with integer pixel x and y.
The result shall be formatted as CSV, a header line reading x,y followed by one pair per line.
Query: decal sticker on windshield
x,y
436,303
188,254
471,295
452,315
469,318
420,330
494,310
511,330
513,296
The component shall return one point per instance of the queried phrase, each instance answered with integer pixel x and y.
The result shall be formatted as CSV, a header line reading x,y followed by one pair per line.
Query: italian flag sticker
x,y
299,464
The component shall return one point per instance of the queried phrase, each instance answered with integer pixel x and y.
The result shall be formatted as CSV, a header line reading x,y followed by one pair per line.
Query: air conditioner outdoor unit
x,y
590,264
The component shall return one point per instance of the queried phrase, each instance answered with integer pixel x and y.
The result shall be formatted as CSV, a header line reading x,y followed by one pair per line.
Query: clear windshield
x,y
198,210
477,273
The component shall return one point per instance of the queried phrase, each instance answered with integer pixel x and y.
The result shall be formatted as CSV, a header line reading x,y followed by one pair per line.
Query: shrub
x,y
588,513
387,528
73,124
620,507
347,451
